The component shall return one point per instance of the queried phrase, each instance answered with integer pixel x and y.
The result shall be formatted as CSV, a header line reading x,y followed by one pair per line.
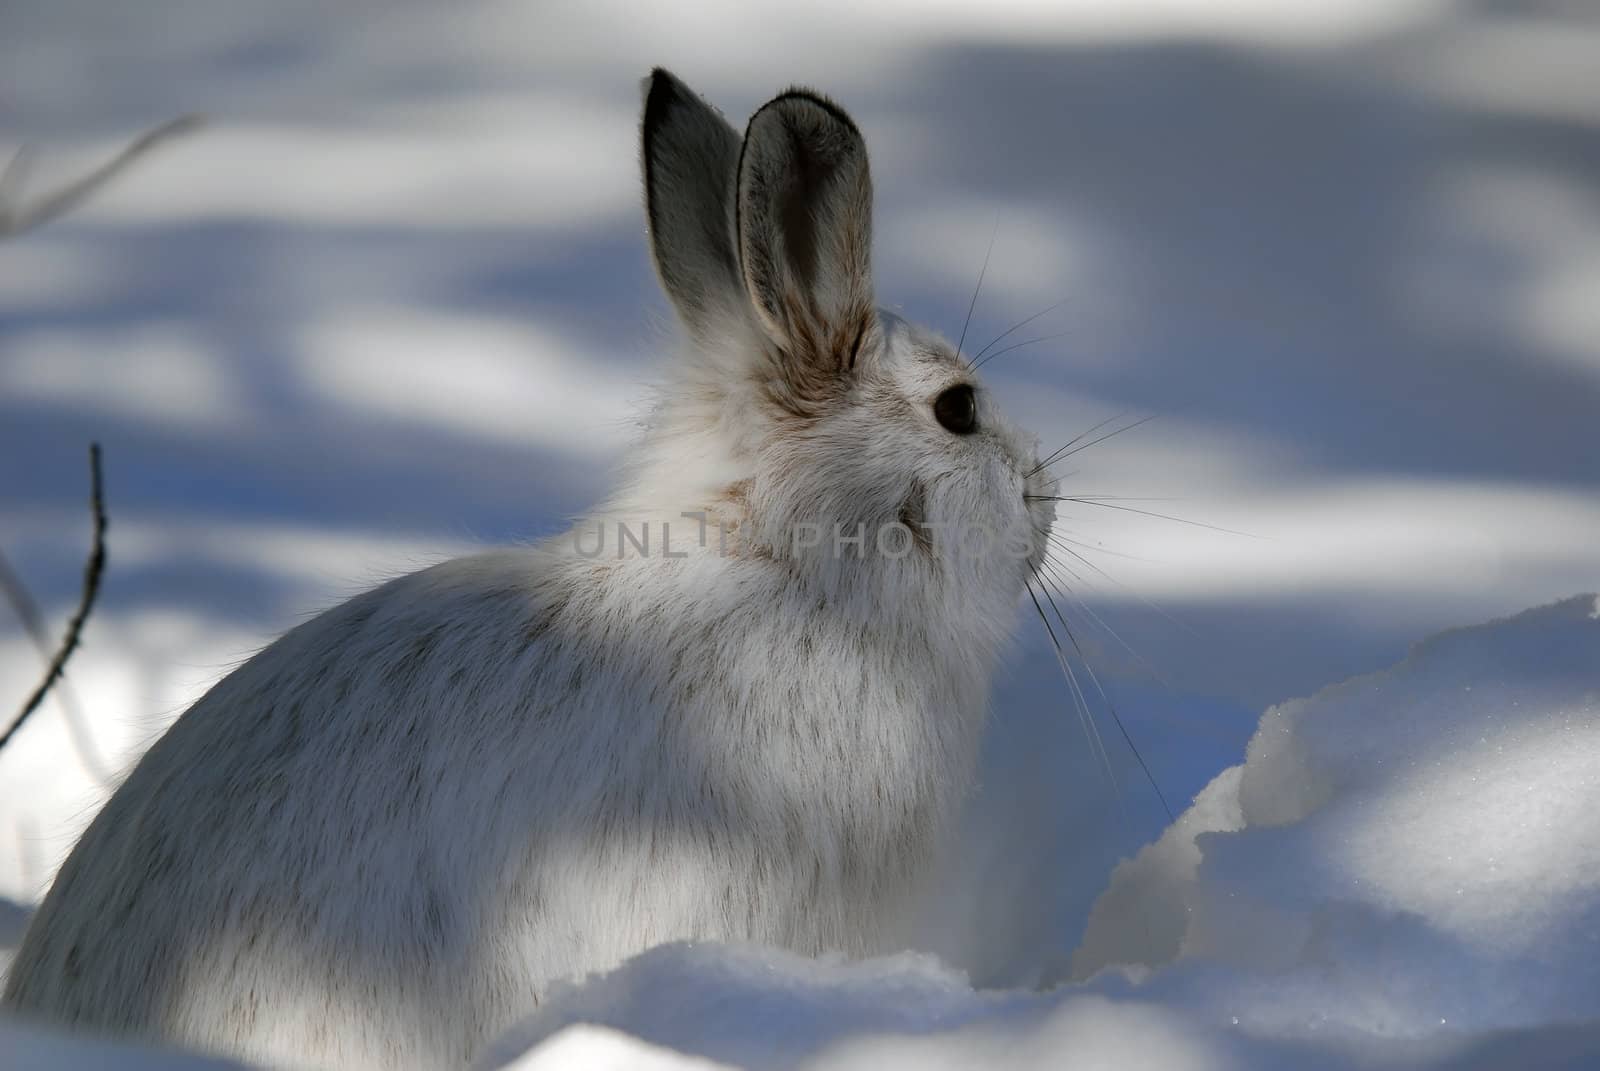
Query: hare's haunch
x,y
741,700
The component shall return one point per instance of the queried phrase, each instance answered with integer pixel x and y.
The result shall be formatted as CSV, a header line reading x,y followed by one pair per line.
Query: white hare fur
x,y
375,843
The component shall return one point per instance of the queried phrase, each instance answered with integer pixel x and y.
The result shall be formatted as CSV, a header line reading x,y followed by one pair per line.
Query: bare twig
x,y
33,624
92,571
22,603
14,179
17,217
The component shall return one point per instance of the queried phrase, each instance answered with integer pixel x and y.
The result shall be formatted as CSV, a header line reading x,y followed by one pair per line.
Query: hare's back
x,y
318,822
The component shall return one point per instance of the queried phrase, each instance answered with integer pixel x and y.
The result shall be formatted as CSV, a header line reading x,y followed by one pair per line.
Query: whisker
x,y
1019,345
1148,602
1112,707
1097,746
1065,453
976,290
1056,569
1014,327
1099,498
1188,725
1067,550
1088,564
1053,458
1103,504
1067,541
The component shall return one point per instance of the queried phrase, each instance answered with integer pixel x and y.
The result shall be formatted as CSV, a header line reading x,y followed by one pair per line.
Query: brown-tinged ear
x,y
805,232
690,157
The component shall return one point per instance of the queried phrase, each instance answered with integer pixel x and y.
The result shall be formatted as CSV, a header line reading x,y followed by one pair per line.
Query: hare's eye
x,y
957,410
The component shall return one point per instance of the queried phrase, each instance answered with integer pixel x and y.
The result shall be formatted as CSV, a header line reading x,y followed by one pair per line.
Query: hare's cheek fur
x,y
382,839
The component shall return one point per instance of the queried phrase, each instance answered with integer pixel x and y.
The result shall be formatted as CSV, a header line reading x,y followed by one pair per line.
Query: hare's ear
x,y
690,155
805,231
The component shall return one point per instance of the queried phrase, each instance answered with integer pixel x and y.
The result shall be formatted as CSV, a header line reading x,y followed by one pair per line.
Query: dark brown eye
x,y
957,410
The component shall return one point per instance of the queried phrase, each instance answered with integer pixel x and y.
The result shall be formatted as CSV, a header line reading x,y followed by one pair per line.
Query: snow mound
x,y
755,1006
760,1008
595,1048
1404,872
1400,856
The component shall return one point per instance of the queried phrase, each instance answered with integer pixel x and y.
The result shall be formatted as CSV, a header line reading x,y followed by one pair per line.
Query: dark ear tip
x,y
801,98
659,89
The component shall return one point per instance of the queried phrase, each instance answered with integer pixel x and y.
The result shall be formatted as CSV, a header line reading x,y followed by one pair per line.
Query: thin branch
x,y
17,217
33,623
22,604
91,587
15,177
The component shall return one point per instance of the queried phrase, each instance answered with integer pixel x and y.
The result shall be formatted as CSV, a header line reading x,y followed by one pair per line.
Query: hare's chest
x,y
863,765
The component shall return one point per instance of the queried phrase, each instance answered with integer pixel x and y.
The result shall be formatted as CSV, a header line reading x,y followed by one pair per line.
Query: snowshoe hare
x,y
739,701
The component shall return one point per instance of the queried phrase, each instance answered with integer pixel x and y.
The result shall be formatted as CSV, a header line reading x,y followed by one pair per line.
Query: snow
x,y
26,1048
1346,254
756,1008
1443,804
1404,872
595,1048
